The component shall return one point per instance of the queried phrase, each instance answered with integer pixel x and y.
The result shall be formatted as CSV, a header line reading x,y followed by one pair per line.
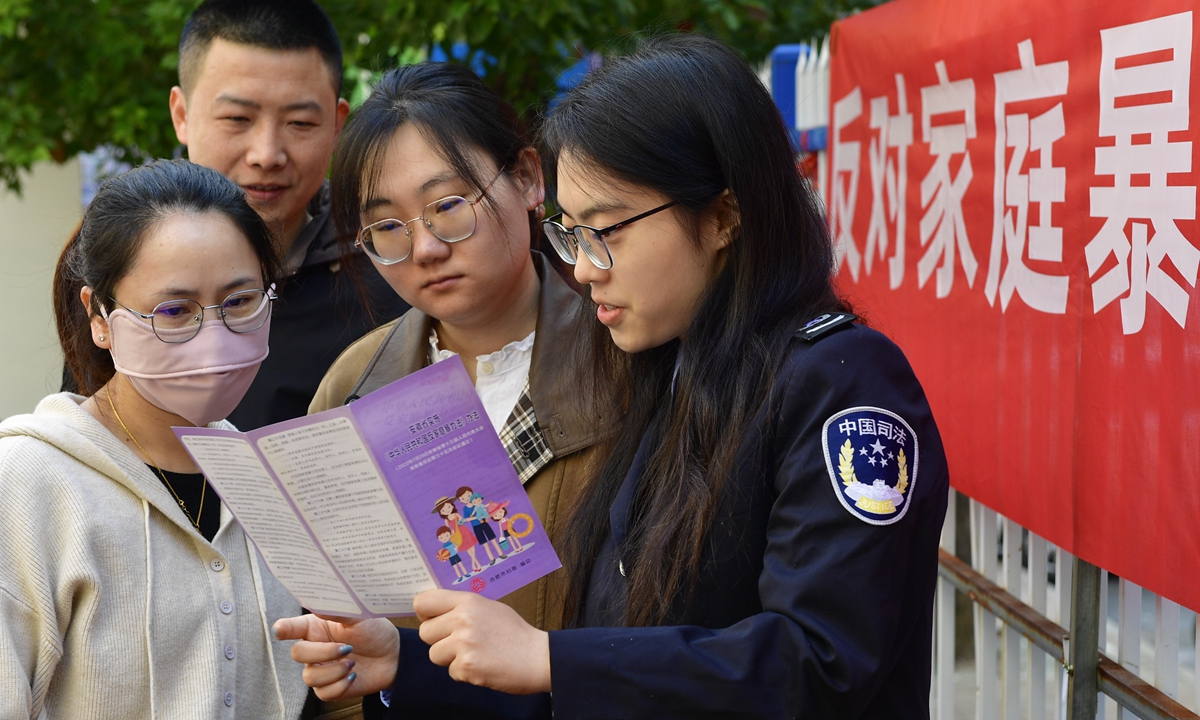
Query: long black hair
x,y
105,245
455,113
685,116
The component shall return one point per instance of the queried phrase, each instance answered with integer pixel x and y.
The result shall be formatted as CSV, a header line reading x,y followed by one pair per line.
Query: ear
x,y
728,219
527,174
178,106
340,115
101,335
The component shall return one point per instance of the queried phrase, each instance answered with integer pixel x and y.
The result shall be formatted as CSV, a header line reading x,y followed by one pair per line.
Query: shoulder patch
x,y
871,454
822,325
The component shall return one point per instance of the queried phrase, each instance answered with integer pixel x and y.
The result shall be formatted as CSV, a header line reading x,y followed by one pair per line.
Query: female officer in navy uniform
x,y
761,541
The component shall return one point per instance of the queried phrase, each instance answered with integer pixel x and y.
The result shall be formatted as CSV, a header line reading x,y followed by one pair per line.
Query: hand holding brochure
x,y
359,508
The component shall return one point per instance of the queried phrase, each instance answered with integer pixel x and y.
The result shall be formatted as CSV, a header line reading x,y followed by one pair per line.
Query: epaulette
x,y
822,325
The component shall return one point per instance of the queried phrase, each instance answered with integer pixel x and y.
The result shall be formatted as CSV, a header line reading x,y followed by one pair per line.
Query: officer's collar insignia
x,y
871,455
822,325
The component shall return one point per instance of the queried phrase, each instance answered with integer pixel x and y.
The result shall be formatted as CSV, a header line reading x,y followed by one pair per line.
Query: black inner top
x,y
188,487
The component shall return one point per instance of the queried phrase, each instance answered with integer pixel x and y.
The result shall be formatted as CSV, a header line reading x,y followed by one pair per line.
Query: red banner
x,y
1012,188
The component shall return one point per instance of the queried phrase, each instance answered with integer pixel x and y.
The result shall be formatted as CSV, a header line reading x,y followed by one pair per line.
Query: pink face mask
x,y
201,380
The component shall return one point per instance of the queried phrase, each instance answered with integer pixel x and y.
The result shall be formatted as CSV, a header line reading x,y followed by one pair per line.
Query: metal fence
x,y
1029,603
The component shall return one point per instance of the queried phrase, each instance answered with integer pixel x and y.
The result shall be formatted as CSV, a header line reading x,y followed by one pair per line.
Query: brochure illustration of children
x,y
474,510
469,529
449,552
499,513
462,540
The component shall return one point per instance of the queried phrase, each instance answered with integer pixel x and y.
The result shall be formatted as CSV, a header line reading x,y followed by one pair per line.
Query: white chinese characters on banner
x,y
889,181
1144,82
844,183
1144,99
1015,190
942,227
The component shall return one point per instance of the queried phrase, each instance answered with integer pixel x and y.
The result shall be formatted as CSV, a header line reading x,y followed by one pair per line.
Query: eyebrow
x,y
311,105
374,203
189,292
595,209
438,179
428,185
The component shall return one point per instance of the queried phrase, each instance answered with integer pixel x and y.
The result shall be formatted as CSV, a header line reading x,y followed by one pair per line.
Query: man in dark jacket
x,y
259,100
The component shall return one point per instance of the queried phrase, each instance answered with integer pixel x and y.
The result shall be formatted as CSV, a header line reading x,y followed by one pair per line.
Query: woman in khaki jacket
x,y
434,178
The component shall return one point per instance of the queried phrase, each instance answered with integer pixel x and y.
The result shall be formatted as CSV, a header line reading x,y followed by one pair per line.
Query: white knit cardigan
x,y
112,605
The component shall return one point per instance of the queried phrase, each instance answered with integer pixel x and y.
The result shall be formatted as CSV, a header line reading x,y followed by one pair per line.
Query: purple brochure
x,y
359,508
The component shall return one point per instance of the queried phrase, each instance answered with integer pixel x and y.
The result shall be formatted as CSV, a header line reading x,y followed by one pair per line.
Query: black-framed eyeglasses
x,y
450,219
177,321
568,241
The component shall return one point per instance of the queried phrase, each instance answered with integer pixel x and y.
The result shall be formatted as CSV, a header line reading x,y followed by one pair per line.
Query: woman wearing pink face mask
x,y
126,588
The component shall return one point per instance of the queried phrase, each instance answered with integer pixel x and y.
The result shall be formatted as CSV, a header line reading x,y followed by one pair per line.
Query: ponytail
x,y
90,366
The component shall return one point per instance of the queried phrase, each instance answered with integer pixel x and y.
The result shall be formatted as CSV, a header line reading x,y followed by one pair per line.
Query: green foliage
x,y
76,74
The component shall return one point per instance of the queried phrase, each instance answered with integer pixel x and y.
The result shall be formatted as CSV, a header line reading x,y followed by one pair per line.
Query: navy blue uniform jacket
x,y
802,609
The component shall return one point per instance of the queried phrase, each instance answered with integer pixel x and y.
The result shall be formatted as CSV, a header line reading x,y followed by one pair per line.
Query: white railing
x,y
812,99
812,85
1013,678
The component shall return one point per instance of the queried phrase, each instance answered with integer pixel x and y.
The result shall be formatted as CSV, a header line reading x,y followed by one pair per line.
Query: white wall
x,y
33,229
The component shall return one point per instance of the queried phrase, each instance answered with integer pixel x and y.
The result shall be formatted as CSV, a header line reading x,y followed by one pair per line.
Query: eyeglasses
x,y
450,219
177,321
568,242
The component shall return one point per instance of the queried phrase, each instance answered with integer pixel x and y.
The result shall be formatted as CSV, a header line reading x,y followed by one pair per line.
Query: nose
x,y
266,148
586,272
426,247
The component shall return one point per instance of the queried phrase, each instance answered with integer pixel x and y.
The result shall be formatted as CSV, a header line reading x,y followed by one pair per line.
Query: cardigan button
x,y
226,607
228,699
217,564
229,652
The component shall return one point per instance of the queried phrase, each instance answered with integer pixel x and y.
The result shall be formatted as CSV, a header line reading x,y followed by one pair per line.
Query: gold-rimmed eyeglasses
x,y
177,321
450,219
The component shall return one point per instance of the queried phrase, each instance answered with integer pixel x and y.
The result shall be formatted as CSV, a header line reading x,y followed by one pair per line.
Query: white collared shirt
x,y
499,377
